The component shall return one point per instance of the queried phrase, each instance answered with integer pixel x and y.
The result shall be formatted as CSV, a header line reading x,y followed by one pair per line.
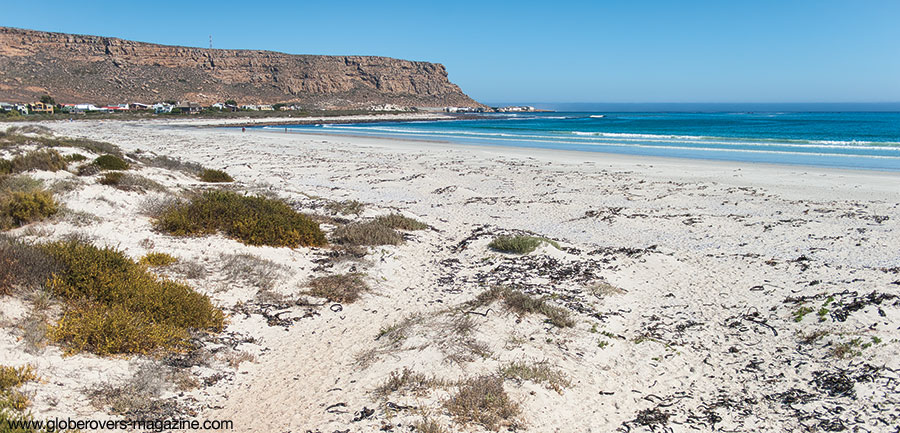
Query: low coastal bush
x,y
112,178
251,220
400,222
215,176
366,233
116,306
13,401
483,400
344,289
157,259
518,244
522,303
110,162
18,208
45,160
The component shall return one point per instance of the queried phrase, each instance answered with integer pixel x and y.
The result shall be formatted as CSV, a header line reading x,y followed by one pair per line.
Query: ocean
x,y
855,140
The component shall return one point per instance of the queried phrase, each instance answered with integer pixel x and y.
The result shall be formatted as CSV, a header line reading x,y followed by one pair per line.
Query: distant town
x,y
47,105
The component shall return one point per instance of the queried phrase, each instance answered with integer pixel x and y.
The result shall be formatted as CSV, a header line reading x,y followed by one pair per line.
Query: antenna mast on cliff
x,y
210,41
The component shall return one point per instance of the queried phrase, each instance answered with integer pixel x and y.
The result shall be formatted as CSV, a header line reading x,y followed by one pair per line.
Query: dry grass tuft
x,y
138,397
130,182
342,288
537,372
367,233
251,270
345,207
400,222
522,303
483,400
408,381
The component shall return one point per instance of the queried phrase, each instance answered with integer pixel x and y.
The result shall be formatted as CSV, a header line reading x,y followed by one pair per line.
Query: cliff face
x,y
78,68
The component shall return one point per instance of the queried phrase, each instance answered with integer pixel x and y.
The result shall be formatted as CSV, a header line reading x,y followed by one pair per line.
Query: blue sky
x,y
551,51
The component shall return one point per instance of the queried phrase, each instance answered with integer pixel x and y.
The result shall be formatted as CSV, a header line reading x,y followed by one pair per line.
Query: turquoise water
x,y
861,140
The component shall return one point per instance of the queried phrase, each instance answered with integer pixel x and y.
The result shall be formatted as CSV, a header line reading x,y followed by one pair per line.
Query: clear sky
x,y
549,51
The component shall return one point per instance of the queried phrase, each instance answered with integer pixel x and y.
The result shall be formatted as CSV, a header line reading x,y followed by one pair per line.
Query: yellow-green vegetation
x,y
251,220
110,162
215,176
116,306
522,303
18,208
366,233
519,244
537,372
400,222
482,400
157,259
344,288
44,159
12,401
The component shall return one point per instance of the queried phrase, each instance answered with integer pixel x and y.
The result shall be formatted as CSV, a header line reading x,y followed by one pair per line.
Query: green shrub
x,y
367,233
116,306
518,244
19,208
400,222
110,162
216,176
157,259
251,220
5,167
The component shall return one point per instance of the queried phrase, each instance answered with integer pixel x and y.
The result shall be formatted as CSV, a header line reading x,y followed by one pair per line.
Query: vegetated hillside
x,y
79,68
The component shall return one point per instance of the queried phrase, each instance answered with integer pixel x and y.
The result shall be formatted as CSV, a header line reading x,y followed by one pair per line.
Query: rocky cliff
x,y
79,68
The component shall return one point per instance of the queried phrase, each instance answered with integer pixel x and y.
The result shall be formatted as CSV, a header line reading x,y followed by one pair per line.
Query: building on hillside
x,y
40,107
187,108
22,108
266,107
6,106
162,108
138,106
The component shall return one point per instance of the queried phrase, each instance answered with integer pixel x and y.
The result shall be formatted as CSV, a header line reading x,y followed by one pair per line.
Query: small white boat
x,y
597,116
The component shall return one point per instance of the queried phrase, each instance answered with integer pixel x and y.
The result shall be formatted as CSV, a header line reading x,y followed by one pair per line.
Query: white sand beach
x,y
706,296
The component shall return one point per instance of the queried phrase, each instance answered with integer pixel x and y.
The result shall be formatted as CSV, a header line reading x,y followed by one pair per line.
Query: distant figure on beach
x,y
243,129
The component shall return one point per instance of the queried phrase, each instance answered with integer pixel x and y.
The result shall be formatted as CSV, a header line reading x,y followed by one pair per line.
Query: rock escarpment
x,y
78,68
